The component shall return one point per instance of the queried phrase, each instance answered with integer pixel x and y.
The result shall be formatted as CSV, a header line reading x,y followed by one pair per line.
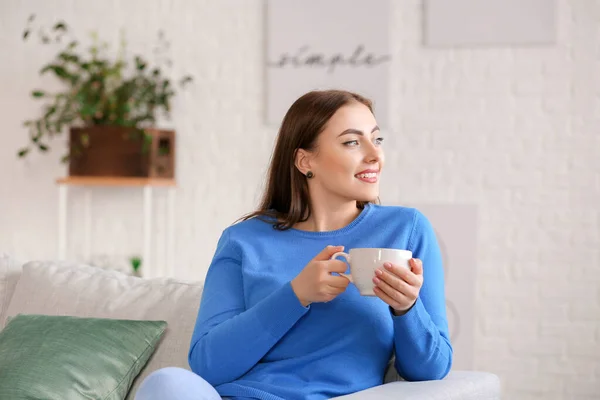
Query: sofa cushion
x,y
10,271
60,288
56,357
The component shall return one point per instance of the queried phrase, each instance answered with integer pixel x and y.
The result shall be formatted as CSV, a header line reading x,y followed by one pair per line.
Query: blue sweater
x,y
253,338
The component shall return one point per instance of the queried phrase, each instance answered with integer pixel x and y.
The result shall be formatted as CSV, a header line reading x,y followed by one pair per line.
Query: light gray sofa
x,y
61,288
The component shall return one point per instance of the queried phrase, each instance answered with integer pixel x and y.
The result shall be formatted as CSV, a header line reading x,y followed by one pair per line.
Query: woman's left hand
x,y
399,286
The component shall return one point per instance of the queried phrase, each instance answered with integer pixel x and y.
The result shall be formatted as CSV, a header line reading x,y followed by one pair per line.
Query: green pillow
x,y
67,358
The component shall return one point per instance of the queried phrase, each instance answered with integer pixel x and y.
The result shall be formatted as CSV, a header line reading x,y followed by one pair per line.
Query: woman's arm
x,y
229,340
421,339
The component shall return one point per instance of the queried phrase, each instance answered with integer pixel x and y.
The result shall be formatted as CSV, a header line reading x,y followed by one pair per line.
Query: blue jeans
x,y
176,384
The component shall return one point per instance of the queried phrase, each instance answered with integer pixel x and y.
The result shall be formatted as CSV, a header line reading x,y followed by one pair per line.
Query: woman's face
x,y
348,157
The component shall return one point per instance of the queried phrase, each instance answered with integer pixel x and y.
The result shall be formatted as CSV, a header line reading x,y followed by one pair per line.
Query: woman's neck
x,y
328,217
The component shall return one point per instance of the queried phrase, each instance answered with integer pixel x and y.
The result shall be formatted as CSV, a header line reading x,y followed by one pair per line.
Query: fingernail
x,y
387,265
376,280
379,272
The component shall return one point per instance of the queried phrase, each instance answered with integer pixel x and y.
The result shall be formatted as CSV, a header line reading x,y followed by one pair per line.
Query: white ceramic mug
x,y
364,261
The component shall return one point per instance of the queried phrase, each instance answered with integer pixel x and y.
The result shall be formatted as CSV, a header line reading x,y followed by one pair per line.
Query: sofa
x,y
56,288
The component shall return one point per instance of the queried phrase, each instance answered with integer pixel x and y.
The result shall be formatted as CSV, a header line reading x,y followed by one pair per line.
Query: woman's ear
x,y
302,161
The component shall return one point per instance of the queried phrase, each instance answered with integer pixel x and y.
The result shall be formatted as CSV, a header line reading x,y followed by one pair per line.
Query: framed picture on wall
x,y
315,44
489,23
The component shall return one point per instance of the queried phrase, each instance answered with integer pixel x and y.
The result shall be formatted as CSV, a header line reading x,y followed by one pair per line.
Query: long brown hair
x,y
286,198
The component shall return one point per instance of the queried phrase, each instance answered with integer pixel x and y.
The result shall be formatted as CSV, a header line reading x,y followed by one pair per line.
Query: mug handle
x,y
347,257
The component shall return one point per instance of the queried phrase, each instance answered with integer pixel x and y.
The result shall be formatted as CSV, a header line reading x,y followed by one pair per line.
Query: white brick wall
x,y
513,130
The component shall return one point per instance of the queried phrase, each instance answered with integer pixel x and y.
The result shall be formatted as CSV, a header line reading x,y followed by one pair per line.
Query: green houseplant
x,y
136,263
100,94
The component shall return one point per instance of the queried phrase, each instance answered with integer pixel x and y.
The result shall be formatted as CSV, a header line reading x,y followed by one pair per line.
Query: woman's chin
x,y
366,197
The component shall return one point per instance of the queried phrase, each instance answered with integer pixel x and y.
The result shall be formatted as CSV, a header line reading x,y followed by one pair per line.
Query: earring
x,y
309,174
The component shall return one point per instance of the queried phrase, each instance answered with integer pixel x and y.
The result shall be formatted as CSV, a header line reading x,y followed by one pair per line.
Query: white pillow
x,y
55,288
10,271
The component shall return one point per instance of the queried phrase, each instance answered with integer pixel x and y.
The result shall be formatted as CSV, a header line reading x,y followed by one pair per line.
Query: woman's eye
x,y
353,143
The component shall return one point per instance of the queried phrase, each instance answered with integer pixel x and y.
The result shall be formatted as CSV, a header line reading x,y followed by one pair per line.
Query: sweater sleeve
x,y
228,339
422,345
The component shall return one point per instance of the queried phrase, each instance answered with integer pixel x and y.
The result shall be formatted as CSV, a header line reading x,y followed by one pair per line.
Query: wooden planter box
x,y
115,151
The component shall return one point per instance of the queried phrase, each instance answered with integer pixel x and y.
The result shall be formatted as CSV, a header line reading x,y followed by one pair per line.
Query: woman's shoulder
x,y
250,227
409,219
394,212
243,233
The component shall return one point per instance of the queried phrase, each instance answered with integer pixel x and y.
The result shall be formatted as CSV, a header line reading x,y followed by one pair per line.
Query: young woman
x,y
276,320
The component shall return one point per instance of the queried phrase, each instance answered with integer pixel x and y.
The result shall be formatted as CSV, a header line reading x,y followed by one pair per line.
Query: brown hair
x,y
286,198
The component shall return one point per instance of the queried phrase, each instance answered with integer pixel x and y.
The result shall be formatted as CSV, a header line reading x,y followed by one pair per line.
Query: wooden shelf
x,y
114,181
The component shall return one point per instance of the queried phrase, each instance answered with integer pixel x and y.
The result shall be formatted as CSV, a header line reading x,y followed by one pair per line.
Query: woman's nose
x,y
374,154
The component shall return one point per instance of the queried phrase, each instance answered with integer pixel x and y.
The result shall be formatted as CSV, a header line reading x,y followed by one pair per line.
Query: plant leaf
x,y
185,80
68,57
60,26
38,93
140,64
26,34
23,152
50,110
61,72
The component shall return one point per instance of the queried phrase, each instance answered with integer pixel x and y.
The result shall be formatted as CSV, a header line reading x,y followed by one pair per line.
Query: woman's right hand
x,y
315,283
